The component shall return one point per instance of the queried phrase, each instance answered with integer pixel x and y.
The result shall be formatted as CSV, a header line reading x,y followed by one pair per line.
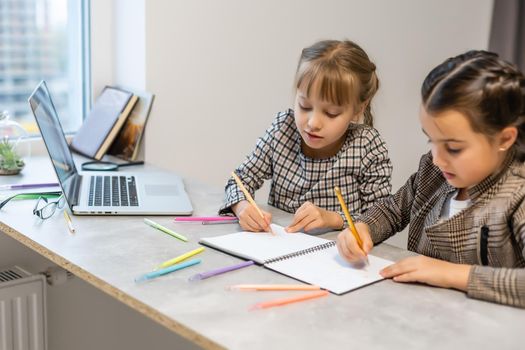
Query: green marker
x,y
165,230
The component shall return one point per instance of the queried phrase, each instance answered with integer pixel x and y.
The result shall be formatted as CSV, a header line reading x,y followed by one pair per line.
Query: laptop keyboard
x,y
113,191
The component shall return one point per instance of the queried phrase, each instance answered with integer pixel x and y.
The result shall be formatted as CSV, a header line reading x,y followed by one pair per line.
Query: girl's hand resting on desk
x,y
427,270
249,217
348,247
309,217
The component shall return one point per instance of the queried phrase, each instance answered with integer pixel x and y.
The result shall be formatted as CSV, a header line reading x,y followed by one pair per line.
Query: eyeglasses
x,y
44,209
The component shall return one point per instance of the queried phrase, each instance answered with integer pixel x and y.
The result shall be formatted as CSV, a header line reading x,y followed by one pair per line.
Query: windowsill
x,y
38,147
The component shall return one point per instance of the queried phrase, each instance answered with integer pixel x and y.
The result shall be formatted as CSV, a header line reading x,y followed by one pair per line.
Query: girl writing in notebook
x,y
465,204
327,140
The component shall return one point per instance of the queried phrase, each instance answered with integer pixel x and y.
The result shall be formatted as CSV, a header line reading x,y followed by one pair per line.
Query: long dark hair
x,y
489,91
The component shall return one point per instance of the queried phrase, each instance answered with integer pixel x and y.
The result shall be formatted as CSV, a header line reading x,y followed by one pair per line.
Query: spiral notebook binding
x,y
301,252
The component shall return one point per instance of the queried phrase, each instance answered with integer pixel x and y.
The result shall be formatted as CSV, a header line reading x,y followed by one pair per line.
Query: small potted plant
x,y
10,161
13,148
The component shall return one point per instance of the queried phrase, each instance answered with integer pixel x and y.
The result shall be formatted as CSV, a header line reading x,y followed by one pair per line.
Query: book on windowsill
x,y
103,123
129,140
306,258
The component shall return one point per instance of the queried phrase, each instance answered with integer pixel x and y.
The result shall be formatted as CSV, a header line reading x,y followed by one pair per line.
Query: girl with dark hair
x,y
466,203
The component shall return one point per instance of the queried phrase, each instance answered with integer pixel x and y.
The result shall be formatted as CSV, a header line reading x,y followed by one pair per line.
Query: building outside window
x,y
44,40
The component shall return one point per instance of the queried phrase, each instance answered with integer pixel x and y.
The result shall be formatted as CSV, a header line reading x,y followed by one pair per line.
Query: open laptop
x,y
105,193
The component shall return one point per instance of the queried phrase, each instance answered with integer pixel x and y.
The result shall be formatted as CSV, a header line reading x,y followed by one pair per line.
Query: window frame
x,y
85,17
85,72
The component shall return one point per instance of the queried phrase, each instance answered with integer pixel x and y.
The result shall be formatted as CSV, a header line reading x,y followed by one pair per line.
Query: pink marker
x,y
204,218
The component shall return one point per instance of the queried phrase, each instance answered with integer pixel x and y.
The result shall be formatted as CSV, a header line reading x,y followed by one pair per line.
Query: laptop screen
x,y
55,141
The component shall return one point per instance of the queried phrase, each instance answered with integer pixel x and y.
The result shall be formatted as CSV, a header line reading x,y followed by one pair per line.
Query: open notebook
x,y
306,258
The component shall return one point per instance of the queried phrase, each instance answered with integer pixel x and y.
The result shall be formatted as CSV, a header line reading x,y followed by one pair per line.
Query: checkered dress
x,y
361,169
489,234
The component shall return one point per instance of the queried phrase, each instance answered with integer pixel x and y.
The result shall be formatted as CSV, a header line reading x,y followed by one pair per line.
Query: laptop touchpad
x,y
161,190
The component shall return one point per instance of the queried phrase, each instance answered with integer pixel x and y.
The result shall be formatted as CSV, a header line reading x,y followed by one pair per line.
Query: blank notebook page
x,y
328,270
263,246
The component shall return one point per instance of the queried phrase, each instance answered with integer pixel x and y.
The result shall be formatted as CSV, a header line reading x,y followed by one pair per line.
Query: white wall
x,y
118,44
102,45
130,51
222,69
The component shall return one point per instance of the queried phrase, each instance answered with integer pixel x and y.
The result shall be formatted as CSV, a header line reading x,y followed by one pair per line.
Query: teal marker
x,y
158,273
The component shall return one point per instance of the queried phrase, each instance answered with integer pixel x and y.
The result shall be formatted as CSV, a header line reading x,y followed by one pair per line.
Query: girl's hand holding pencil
x,y
351,241
247,219
348,246
250,219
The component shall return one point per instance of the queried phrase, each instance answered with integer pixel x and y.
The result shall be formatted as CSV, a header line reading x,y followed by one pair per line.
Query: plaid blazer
x,y
490,234
362,170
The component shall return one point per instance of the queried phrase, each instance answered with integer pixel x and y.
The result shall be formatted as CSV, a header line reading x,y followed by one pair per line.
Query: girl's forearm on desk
x,y
458,277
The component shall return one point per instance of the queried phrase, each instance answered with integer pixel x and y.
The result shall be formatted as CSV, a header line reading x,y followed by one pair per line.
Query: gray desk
x,y
109,252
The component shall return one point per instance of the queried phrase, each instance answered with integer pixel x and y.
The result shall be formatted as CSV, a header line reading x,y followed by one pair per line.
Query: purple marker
x,y
208,274
24,186
222,222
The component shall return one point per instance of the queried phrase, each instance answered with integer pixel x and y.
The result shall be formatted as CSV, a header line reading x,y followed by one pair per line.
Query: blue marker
x,y
157,273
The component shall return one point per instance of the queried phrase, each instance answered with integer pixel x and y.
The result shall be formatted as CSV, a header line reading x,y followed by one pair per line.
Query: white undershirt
x,y
453,206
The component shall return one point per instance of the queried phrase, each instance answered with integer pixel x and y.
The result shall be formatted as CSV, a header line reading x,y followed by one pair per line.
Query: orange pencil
x,y
284,301
250,199
273,287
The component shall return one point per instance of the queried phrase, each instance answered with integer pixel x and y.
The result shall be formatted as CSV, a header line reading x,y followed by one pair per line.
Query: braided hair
x,y
482,86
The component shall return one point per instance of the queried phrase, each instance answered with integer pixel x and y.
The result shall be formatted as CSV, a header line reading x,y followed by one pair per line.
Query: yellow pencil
x,y
69,222
250,199
348,217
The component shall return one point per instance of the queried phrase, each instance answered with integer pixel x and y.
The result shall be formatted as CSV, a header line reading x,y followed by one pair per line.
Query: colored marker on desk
x,y
221,270
38,195
165,230
285,301
158,273
204,218
273,287
222,222
26,186
180,258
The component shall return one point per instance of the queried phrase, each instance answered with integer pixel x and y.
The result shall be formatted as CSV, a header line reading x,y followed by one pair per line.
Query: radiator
x,y
22,310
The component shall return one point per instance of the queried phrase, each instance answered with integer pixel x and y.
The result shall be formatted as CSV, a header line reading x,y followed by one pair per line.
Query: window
x,y
44,40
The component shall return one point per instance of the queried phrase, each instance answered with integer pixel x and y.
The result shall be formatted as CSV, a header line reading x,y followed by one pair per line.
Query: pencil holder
x,y
13,145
